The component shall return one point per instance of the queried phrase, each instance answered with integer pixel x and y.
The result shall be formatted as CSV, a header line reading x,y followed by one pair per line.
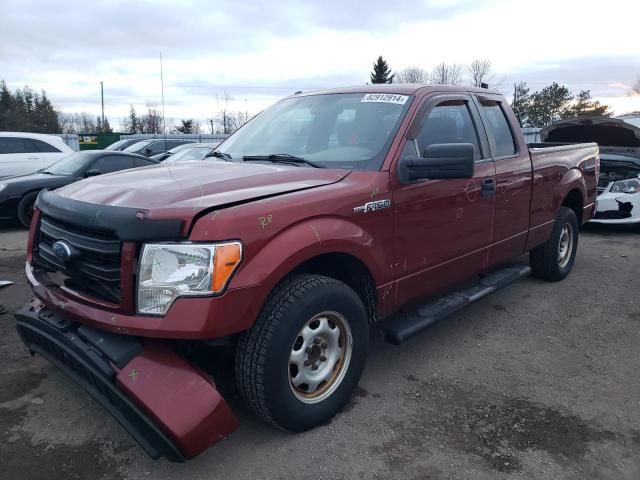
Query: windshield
x,y
138,146
632,120
186,154
345,130
69,165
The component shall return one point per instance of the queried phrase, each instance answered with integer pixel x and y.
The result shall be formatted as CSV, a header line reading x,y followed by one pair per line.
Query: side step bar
x,y
413,323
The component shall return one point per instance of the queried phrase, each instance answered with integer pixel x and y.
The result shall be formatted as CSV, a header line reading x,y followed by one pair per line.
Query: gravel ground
x,y
536,381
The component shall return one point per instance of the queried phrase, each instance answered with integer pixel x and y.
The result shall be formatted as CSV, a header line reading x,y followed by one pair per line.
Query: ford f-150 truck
x,y
323,216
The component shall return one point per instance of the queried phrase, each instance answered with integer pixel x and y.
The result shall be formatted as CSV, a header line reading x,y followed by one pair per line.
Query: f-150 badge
x,y
371,206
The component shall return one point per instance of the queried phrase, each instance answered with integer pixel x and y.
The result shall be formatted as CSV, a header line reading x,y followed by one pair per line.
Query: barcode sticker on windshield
x,y
385,98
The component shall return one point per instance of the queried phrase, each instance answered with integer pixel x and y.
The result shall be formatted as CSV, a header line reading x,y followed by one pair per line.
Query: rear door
x,y
513,178
443,228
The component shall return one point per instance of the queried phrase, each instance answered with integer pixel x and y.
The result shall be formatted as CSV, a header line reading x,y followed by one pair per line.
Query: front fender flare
x,y
305,240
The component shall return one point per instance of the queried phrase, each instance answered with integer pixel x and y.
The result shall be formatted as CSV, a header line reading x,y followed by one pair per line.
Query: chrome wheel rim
x,y
320,357
565,246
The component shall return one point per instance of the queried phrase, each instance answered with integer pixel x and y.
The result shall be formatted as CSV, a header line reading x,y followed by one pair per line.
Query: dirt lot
x,y
537,381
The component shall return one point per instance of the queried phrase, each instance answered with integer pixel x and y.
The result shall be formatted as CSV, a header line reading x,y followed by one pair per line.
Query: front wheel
x,y
25,208
554,259
303,358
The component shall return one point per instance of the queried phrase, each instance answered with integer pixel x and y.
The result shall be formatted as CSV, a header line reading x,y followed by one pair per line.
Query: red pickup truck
x,y
325,214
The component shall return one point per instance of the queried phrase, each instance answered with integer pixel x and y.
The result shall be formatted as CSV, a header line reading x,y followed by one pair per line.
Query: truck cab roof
x,y
398,88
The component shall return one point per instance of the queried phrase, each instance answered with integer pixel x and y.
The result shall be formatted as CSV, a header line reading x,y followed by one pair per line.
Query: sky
x,y
261,51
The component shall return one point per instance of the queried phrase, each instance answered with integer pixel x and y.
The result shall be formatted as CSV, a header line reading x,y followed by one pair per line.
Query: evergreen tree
x,y
47,115
133,123
106,128
381,72
186,126
6,105
585,106
521,102
548,105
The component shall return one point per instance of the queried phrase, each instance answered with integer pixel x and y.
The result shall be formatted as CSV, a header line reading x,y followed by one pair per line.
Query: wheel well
x,y
347,269
574,201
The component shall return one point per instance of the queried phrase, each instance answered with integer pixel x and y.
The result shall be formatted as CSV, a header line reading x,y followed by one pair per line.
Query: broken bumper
x,y
164,402
616,208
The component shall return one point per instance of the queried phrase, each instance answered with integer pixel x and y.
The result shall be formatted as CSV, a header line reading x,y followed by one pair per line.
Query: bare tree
x,y
412,75
447,74
77,122
225,116
227,120
479,70
151,122
636,87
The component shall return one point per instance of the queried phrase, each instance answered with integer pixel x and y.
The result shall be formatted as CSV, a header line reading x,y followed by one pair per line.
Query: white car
x,y
22,152
618,139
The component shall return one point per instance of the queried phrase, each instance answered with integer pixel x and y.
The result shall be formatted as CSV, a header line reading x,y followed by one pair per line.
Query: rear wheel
x,y
554,259
25,208
303,358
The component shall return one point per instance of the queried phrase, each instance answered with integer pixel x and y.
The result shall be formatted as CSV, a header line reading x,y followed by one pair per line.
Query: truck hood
x,y
186,189
606,132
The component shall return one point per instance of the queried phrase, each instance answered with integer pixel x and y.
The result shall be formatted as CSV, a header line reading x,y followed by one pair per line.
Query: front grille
x,y
94,266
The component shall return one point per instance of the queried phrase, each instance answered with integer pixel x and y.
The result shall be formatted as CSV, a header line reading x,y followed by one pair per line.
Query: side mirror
x,y
147,151
92,173
439,161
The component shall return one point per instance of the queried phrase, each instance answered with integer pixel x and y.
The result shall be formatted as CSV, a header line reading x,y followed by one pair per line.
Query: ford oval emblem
x,y
62,250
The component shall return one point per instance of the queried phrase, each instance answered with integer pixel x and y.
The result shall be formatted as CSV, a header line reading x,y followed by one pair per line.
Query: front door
x,y
443,228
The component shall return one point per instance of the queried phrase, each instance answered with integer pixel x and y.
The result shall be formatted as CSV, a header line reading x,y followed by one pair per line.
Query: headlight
x,y
626,186
3,186
169,271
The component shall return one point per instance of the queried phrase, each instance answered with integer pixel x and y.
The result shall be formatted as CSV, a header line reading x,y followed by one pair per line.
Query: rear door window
x,y
499,126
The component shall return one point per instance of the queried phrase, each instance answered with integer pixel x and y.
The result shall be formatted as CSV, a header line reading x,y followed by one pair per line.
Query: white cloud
x,y
264,54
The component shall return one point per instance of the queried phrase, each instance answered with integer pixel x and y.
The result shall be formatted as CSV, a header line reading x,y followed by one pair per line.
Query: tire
x,y
25,208
268,356
553,260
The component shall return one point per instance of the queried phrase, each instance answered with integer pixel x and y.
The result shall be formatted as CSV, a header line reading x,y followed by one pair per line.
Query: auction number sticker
x,y
385,98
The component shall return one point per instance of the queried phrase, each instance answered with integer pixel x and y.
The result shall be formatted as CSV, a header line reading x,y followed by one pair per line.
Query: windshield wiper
x,y
282,158
218,154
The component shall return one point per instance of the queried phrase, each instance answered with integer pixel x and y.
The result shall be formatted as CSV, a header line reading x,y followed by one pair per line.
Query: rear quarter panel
x,y
556,172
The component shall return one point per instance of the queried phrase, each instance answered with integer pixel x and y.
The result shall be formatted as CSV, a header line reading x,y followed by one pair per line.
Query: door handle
x,y
488,187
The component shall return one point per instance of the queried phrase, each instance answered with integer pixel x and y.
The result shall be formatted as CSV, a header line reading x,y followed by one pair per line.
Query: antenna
x,y
164,125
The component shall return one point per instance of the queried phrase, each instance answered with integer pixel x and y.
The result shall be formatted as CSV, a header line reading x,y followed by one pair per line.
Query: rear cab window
x,y
498,125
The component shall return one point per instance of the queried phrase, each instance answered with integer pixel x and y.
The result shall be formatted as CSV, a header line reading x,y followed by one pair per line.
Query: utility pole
x,y
164,125
102,100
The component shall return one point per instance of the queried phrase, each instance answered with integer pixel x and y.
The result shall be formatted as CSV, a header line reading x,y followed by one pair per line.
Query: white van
x,y
22,152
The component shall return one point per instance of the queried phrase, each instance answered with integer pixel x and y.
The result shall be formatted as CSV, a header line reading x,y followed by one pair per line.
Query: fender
x,y
572,179
304,240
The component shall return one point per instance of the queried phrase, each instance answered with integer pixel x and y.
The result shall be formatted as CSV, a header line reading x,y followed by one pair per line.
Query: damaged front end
x,y
166,404
619,144
618,191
